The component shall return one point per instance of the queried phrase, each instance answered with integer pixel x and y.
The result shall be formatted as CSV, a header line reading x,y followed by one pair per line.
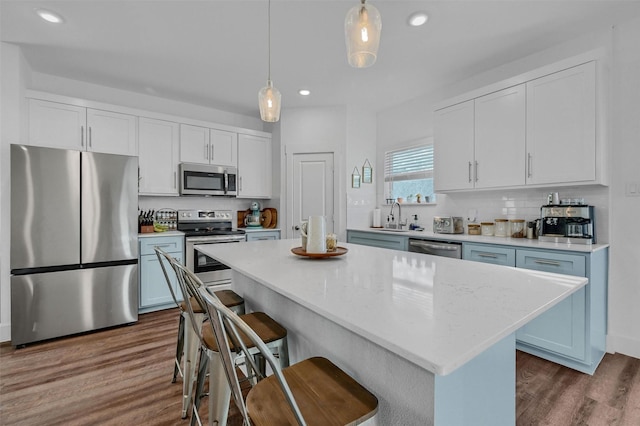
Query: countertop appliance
x,y
436,248
74,242
207,179
208,227
253,219
567,224
448,225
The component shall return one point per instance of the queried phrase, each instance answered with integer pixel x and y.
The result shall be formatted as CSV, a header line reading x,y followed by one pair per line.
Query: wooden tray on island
x,y
339,251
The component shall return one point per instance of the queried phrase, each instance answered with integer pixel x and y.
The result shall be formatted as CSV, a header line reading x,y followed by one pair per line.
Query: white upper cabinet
x,y
159,149
111,132
254,167
561,127
59,125
453,150
223,147
208,146
500,138
541,132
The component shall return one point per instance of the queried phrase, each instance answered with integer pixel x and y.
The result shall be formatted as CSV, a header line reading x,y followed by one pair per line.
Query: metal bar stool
x,y
272,333
186,337
313,391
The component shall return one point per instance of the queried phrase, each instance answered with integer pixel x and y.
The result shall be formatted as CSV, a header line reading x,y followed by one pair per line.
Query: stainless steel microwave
x,y
207,179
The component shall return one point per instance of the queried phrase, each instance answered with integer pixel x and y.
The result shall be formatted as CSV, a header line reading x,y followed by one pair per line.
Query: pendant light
x,y
269,97
362,28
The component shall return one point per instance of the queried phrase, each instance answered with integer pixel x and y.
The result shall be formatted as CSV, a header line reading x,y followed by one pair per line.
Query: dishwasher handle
x,y
433,246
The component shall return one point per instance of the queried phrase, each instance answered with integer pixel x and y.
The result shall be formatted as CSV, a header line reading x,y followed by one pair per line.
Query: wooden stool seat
x,y
264,326
325,394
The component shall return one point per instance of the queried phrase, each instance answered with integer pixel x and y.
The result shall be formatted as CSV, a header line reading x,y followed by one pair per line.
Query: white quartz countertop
x,y
507,241
436,312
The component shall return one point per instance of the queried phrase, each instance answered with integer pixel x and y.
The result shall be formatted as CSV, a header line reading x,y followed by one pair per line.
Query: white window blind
x,y
409,163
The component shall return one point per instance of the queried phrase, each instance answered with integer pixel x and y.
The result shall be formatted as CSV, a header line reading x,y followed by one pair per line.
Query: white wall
x,y
616,214
13,70
624,273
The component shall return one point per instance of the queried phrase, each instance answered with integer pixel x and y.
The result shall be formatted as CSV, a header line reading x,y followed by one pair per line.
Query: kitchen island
x,y
432,337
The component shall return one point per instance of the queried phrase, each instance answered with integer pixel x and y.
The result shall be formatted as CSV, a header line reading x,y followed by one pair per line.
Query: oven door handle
x,y
216,240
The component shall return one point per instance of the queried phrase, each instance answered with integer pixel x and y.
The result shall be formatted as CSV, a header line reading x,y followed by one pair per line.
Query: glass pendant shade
x,y
362,28
269,102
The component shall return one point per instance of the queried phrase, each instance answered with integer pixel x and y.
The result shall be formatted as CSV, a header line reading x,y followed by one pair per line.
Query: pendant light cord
x,y
269,37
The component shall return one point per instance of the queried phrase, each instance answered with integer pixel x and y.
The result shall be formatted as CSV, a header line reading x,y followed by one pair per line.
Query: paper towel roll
x,y
377,218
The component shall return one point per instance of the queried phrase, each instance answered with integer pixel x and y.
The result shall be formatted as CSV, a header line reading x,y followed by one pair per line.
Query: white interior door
x,y
310,191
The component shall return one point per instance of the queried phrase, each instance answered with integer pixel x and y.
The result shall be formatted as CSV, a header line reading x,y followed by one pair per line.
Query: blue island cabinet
x,y
573,332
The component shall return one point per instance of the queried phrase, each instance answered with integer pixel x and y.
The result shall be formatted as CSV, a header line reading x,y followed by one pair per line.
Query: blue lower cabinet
x,y
573,332
262,235
379,239
154,291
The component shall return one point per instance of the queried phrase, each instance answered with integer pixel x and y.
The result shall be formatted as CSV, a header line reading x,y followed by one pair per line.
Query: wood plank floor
x,y
122,376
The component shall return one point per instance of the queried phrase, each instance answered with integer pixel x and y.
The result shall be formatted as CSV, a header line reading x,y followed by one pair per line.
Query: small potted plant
x,y
418,198
411,198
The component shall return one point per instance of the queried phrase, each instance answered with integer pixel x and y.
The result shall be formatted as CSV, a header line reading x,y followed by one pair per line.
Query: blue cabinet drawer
x,y
488,254
381,239
559,263
174,244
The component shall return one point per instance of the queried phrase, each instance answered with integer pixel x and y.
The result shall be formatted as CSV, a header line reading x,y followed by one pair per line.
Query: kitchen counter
x,y
507,241
392,317
162,234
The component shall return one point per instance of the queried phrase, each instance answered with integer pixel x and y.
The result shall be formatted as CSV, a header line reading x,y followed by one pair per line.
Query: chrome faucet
x,y
392,223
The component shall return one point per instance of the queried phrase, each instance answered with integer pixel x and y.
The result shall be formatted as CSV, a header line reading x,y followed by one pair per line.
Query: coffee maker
x,y
573,223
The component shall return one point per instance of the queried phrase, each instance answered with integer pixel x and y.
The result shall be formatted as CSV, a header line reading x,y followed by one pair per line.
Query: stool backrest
x,y
227,327
164,257
189,285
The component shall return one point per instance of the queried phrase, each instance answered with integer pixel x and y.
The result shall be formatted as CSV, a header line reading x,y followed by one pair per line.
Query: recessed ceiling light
x,y
304,92
49,16
418,18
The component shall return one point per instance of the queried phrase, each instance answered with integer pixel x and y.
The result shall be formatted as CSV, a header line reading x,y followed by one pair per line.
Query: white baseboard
x,y
623,345
5,333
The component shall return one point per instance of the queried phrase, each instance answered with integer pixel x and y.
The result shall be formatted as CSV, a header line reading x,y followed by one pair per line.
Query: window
x,y
409,172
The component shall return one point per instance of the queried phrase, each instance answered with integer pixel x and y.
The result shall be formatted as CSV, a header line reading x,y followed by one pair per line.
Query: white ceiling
x,y
214,52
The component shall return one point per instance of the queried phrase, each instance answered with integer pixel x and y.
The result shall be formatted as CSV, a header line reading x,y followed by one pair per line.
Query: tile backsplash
x,y
508,204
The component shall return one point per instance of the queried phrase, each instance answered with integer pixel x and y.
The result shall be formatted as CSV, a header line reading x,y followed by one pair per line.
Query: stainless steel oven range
x,y
208,227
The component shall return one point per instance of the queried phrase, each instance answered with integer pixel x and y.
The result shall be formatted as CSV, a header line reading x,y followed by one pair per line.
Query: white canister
x,y
303,233
317,235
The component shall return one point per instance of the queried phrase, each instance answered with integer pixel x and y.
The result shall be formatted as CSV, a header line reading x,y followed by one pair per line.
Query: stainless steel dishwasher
x,y
436,248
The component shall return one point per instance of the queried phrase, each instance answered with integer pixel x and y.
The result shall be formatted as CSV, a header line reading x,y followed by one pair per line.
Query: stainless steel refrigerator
x,y
74,250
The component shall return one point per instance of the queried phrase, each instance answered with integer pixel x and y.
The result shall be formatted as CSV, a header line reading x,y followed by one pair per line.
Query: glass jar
x,y
474,228
517,228
487,228
501,228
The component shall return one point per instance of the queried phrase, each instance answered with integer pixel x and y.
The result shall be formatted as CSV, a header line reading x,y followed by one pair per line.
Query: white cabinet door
x,y
194,144
561,134
254,167
453,148
158,157
56,125
112,132
500,139
223,148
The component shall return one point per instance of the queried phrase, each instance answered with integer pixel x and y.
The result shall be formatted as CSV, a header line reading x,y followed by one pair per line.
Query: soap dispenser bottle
x,y
414,225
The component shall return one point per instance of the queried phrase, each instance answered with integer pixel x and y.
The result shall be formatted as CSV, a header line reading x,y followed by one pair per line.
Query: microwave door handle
x,y
226,181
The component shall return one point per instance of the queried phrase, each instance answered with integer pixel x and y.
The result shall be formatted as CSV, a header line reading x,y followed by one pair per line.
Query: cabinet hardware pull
x,y
547,262
529,168
211,148
469,171
240,183
175,180
490,255
90,144
476,171
82,136
164,245
206,151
